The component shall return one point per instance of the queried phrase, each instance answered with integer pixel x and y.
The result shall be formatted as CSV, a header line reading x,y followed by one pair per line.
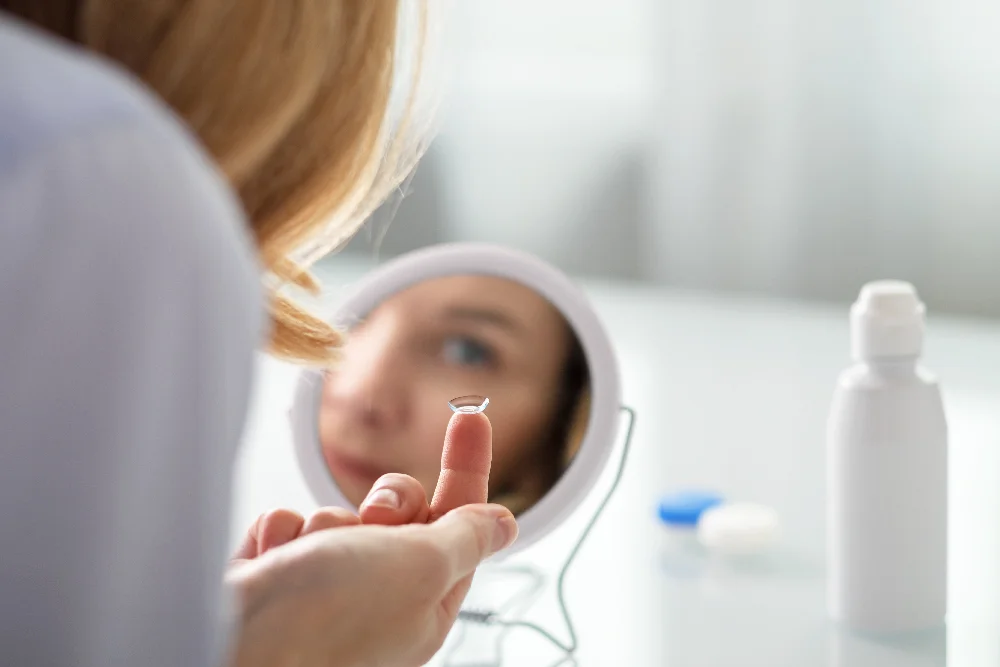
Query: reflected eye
x,y
467,352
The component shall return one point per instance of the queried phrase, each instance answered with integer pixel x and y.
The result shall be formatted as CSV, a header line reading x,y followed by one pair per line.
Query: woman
x,y
385,405
156,159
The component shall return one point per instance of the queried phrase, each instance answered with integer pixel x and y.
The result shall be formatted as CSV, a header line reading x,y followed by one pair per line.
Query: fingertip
x,y
476,532
506,532
278,527
250,547
502,524
394,500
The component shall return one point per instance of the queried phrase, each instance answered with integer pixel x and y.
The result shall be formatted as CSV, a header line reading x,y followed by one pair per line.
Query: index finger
x,y
465,463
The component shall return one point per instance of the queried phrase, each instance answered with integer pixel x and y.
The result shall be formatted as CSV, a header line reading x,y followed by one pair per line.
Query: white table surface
x,y
731,395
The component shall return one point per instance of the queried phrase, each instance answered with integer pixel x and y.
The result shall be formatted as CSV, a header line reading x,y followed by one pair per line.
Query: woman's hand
x,y
277,527
364,595
372,594
394,499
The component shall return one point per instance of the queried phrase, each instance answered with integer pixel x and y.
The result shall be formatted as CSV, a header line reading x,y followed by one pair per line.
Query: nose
x,y
371,383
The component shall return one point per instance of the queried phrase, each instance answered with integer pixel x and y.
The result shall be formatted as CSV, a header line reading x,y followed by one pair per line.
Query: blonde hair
x,y
531,489
290,97
577,428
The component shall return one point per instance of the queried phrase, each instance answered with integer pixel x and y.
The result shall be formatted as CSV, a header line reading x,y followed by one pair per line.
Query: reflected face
x,y
385,408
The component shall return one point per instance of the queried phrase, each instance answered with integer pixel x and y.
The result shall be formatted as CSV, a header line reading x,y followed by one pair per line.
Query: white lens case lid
x,y
739,529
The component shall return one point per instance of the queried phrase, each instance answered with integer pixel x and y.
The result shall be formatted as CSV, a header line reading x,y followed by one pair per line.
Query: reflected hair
x,y
291,98
564,433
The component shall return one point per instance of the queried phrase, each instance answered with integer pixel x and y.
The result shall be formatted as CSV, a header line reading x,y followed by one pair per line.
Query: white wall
x,y
549,100
806,146
794,147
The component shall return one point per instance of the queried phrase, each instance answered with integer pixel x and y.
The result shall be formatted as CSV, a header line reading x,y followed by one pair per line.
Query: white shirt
x,y
130,312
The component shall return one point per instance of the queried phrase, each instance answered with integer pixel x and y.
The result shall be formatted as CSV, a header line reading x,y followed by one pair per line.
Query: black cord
x,y
493,618
565,661
522,598
560,584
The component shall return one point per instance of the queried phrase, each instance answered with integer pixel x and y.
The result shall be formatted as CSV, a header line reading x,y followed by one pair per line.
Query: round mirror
x,y
444,329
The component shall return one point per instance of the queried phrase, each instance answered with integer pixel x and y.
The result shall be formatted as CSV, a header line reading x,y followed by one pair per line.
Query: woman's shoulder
x,y
51,91
79,137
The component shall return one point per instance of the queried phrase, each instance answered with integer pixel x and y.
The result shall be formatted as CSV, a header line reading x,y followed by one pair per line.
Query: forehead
x,y
514,299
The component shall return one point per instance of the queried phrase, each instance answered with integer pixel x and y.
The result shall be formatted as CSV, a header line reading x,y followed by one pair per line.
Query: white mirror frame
x,y
486,260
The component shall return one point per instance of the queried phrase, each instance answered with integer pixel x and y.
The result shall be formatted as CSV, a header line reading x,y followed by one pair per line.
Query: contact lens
x,y
469,404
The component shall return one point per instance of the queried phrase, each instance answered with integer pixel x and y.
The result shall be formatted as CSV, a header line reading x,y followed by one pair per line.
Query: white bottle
x,y
887,473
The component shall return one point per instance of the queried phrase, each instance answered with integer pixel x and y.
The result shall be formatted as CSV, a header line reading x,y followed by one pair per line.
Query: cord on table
x,y
485,617
522,598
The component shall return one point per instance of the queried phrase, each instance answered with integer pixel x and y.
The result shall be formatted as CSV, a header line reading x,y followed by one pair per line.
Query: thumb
x,y
472,533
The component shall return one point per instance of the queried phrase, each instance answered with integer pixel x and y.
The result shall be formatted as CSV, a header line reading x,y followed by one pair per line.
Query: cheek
x,y
327,423
334,394
334,408
518,428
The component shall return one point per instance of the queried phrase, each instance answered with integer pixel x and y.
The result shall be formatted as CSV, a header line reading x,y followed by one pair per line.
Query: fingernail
x,y
505,533
386,498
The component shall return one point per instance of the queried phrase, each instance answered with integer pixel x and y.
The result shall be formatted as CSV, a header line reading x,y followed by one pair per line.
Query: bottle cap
x,y
887,321
683,509
739,529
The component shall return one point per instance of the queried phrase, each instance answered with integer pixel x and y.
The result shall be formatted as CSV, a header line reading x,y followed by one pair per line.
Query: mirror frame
x,y
452,259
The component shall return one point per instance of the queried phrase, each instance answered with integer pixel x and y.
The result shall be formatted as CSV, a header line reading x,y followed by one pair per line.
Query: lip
x,y
357,469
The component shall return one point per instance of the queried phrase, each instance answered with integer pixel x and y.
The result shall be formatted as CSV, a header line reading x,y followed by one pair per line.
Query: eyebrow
x,y
485,316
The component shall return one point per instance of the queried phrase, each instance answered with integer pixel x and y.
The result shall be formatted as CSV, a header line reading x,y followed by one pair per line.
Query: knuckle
x,y
385,480
279,522
393,479
399,482
332,512
280,515
331,517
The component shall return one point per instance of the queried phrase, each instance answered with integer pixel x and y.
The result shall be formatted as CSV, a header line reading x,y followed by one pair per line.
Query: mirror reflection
x,y
385,407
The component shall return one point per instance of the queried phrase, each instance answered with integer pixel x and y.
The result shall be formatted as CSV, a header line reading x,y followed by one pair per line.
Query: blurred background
x,y
794,148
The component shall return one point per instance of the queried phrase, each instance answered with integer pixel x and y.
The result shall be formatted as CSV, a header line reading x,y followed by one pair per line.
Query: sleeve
x,y
130,313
